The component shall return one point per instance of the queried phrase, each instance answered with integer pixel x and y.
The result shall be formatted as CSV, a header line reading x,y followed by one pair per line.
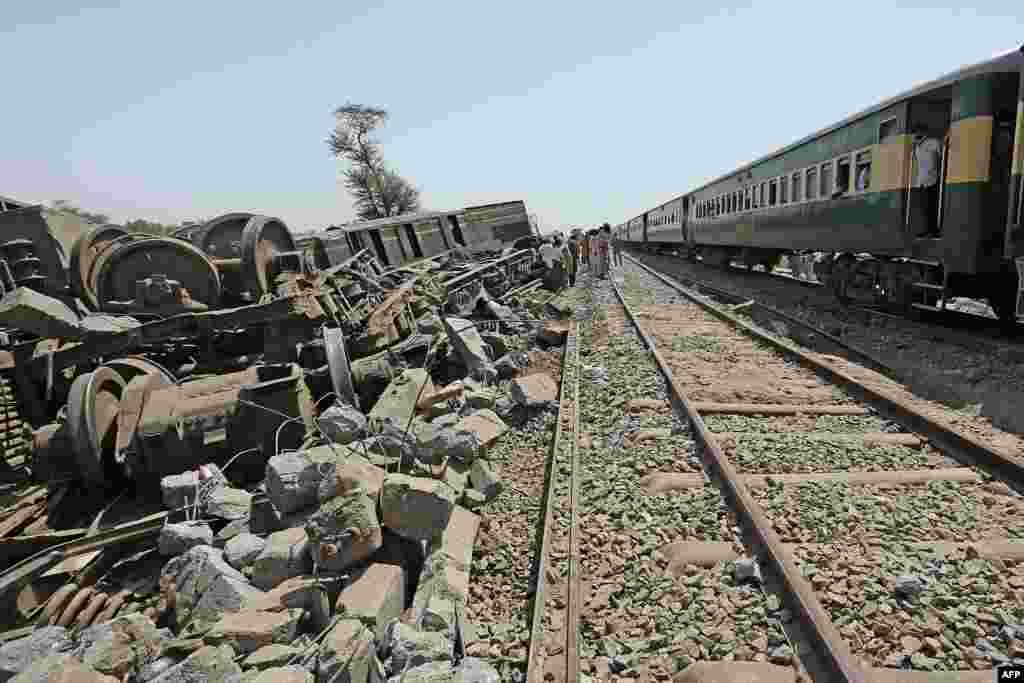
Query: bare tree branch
x,y
376,191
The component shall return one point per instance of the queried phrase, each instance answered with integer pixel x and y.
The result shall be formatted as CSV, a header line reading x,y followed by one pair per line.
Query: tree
x,y
377,192
87,216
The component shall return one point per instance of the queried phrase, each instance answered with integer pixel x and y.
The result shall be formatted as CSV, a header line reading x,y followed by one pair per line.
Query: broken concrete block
x,y
60,668
466,341
390,445
439,603
292,481
180,489
344,530
342,423
123,646
210,664
356,475
407,648
228,503
248,630
476,670
534,391
456,475
485,425
270,656
479,397
398,402
458,538
243,549
416,507
375,597
284,674
285,555
205,586
432,672
177,538
485,479
264,518
453,443
347,654
18,655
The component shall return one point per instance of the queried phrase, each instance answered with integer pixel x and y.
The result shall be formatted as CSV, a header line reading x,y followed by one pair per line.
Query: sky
x,y
589,112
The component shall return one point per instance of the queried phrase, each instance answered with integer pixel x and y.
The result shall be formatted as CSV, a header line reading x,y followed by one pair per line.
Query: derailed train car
x,y
847,192
132,355
405,239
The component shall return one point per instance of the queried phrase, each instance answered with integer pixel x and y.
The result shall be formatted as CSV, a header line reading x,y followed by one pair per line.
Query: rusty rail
x,y
954,443
835,656
535,655
859,355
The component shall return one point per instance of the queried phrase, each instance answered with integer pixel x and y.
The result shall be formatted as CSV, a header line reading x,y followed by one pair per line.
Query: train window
x,y
843,175
826,180
773,193
783,190
747,202
812,183
796,185
863,178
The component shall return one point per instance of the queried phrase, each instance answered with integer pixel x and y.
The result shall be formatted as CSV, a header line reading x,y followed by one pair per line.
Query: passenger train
x,y
847,193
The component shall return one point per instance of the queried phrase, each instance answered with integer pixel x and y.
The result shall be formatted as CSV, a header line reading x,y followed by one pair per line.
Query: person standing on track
x,y
573,252
585,249
616,249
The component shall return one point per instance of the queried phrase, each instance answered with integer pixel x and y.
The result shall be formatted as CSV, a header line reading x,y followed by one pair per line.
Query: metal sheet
x,y
338,365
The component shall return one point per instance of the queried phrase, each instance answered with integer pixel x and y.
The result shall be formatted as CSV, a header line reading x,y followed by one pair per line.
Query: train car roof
x,y
395,220
419,216
1012,59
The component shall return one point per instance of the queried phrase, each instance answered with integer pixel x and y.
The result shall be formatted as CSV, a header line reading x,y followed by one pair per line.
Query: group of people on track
x,y
597,250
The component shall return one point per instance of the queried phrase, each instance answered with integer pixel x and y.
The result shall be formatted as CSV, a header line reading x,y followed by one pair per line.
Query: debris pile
x,y
274,483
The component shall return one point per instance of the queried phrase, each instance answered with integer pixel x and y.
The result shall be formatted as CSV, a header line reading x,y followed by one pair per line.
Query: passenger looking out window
x,y
863,171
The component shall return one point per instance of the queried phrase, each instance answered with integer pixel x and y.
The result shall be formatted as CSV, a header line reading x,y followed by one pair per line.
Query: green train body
x,y
403,239
866,237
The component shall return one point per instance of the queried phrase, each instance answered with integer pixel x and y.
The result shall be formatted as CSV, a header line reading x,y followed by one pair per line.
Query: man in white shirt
x,y
927,158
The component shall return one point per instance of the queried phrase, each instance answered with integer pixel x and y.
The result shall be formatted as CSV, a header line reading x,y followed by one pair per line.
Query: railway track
x,y
968,327
736,498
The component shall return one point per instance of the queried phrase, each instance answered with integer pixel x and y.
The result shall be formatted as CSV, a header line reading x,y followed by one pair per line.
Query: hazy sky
x,y
587,111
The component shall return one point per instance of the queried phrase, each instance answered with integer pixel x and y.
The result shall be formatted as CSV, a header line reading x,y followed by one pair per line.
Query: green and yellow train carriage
x,y
848,192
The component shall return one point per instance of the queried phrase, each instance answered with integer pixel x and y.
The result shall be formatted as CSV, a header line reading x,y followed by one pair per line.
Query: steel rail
x,y
574,595
534,661
954,443
835,656
858,354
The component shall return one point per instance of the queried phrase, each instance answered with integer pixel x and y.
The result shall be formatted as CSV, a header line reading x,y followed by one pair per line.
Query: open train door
x,y
1013,248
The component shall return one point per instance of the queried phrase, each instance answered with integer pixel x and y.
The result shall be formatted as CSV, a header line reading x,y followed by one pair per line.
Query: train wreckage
x,y
145,363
